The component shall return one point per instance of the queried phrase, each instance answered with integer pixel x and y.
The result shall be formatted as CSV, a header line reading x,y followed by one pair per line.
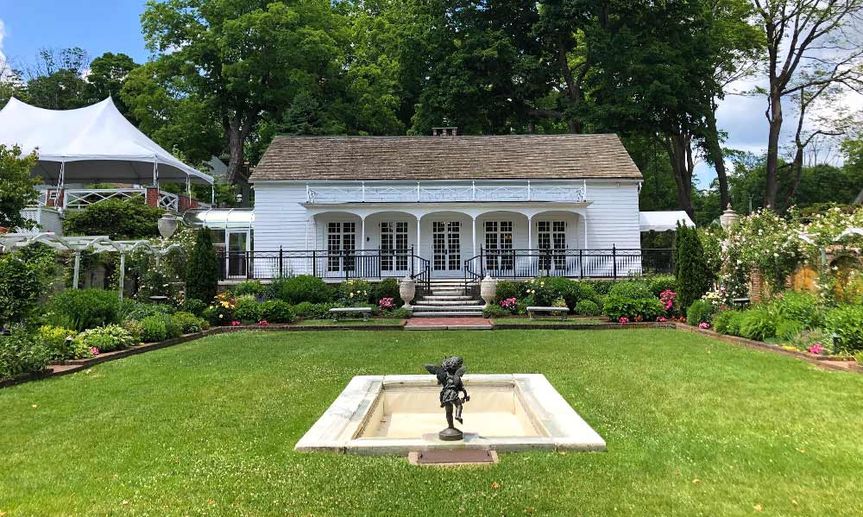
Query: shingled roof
x,y
446,157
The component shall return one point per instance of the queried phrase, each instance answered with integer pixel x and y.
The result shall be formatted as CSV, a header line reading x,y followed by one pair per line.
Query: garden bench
x,y
365,312
554,311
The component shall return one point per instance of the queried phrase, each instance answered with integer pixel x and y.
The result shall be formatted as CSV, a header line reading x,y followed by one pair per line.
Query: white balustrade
x,y
436,193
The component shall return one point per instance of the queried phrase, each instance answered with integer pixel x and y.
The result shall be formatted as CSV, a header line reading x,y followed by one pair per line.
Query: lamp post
x,y
167,225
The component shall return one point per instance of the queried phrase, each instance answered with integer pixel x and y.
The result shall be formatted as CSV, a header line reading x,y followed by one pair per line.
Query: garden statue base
x,y
451,434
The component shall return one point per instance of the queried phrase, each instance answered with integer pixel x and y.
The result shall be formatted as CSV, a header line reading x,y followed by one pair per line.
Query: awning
x,y
90,145
663,221
221,218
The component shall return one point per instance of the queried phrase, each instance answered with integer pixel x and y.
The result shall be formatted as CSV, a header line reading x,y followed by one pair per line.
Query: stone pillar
x,y
407,290
152,197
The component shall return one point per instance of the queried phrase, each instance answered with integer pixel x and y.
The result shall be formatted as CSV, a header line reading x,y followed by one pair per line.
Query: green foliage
x,y
18,190
786,329
60,343
603,287
355,292
189,323
636,309
587,308
83,309
20,288
401,313
659,283
135,310
758,323
631,289
249,287
693,276
495,311
277,311
509,289
21,353
106,339
118,219
728,322
154,329
545,290
801,307
388,288
202,278
248,310
846,325
194,306
312,311
134,328
303,288
700,311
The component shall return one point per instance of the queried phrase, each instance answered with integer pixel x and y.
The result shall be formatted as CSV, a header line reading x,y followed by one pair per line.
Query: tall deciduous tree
x,y
106,77
244,58
56,79
17,188
809,44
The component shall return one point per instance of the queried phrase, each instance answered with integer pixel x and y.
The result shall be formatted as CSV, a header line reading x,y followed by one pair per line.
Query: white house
x,y
442,206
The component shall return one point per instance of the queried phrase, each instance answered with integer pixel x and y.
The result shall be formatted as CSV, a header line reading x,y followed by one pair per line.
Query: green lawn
x,y
693,426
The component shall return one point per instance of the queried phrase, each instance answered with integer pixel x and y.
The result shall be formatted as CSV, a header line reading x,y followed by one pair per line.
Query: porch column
x,y
419,237
474,235
363,232
529,242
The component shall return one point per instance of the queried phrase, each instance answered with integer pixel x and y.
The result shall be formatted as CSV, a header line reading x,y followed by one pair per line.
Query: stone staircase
x,y
448,298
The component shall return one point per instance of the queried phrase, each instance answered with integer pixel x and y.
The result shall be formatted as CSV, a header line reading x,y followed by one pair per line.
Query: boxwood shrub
x,y
277,311
189,323
311,311
303,288
587,308
248,310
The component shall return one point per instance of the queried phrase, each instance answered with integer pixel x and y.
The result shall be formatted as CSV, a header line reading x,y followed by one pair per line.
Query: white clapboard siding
x,y
282,221
612,217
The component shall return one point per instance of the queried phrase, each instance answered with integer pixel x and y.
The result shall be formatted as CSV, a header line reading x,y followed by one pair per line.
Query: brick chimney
x,y
445,131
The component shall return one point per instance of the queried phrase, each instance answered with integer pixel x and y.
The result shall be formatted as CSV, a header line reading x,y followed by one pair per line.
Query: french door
x,y
394,245
341,246
237,255
498,243
446,245
551,237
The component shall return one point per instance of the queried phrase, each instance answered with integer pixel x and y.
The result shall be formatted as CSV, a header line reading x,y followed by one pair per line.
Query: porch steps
x,y
447,299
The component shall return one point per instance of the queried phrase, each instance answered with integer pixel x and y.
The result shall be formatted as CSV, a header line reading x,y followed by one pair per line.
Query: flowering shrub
x,y
667,298
94,351
623,320
662,319
767,243
704,325
235,323
816,348
510,304
264,323
222,309
386,304
354,292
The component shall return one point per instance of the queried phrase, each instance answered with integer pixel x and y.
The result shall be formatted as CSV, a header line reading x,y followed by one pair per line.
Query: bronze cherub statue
x,y
452,395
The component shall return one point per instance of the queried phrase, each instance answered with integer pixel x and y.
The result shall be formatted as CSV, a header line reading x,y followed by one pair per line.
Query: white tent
x,y
663,221
90,145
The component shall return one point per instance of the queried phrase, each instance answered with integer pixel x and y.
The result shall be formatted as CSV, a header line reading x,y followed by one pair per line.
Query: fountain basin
x,y
397,414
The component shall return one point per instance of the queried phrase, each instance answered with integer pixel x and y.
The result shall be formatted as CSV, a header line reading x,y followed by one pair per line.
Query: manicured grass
x,y
693,426
571,320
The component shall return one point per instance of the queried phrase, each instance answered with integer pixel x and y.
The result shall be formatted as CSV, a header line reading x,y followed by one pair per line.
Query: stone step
x,y
446,314
469,302
447,292
446,297
438,308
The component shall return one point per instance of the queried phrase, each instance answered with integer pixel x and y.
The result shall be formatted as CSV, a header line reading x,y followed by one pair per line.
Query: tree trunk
x,y
680,153
236,140
775,120
714,151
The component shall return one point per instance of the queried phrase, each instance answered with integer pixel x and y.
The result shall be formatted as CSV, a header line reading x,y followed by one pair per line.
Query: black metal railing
x,y
336,265
574,263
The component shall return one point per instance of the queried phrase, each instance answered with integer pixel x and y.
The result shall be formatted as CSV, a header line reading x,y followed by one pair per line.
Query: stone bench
x,y
337,312
554,311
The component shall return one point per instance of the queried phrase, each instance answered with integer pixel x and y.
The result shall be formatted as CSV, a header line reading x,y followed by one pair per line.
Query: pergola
x,y
79,244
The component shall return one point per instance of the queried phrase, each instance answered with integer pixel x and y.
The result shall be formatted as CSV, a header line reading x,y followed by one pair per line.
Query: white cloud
x,y
3,66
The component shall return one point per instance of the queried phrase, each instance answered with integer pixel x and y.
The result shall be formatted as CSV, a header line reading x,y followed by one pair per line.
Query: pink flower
x,y
816,348
235,323
623,320
264,323
667,298
509,304
386,303
94,351
704,325
662,319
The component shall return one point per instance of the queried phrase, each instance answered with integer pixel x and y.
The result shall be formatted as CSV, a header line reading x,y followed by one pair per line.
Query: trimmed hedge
x,y
83,309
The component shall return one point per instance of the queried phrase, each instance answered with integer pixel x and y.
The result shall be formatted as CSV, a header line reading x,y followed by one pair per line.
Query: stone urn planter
x,y
407,290
488,290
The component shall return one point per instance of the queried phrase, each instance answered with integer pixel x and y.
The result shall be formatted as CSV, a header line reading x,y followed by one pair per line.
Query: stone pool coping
x,y
338,428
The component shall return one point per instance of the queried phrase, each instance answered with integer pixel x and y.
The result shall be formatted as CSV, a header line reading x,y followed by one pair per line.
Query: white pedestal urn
x,y
407,290
488,290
